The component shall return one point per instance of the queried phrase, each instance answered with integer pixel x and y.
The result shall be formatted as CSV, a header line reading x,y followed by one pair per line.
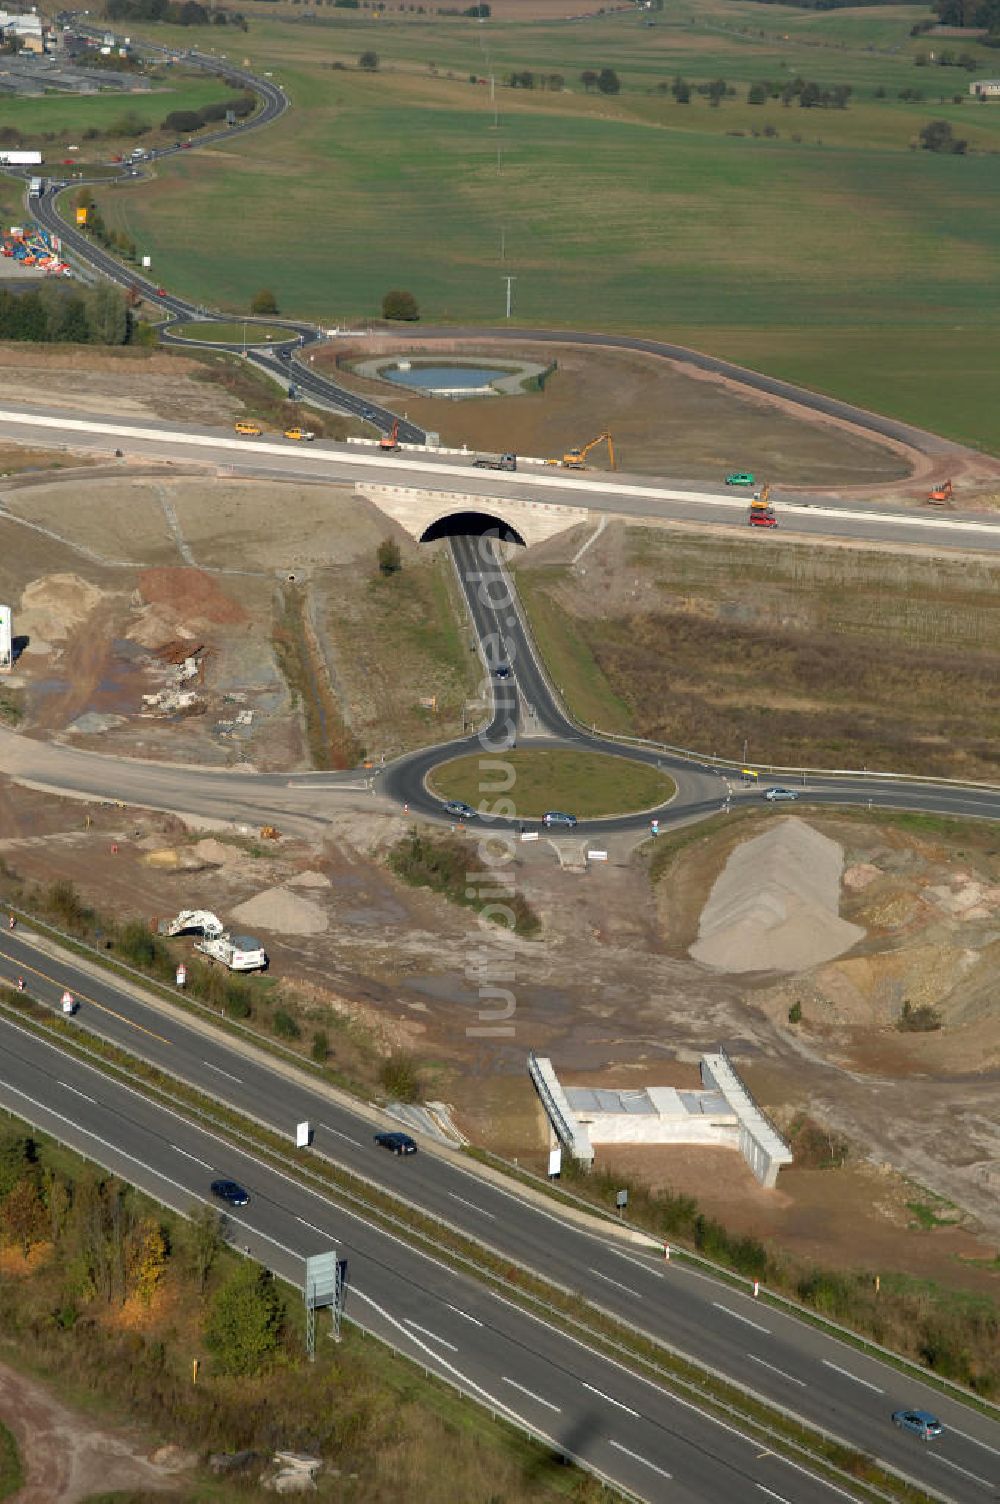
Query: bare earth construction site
x,y
183,619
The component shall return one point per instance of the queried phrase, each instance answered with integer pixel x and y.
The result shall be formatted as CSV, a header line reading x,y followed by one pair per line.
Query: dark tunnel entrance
x,y
471,525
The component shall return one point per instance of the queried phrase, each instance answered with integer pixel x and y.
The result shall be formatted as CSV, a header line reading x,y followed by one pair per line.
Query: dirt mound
x,y
775,906
189,595
55,605
282,912
309,879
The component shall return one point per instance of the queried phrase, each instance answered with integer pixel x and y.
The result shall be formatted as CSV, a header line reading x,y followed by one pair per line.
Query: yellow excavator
x,y
574,459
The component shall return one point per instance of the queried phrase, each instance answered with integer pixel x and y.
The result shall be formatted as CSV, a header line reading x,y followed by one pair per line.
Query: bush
x,y
399,304
795,1013
285,1025
390,560
320,1050
920,1020
369,62
64,902
937,135
401,1077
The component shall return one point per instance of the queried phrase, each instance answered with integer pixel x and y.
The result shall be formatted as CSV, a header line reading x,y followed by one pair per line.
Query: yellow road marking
x,y
84,998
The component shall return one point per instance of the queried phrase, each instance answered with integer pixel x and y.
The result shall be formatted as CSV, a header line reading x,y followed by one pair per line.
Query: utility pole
x,y
509,281
503,244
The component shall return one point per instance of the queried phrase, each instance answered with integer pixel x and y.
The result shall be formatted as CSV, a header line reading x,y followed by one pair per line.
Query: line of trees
x,y
186,122
175,12
606,81
56,314
808,94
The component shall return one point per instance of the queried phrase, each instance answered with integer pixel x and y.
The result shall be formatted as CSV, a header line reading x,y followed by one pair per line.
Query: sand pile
x,y
55,605
281,912
310,879
775,905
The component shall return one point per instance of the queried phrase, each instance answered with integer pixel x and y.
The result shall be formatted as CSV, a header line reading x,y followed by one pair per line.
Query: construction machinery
x,y
761,512
493,462
574,459
390,440
942,494
237,952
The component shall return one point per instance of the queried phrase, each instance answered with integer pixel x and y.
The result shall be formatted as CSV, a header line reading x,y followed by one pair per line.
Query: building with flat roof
x,y
985,88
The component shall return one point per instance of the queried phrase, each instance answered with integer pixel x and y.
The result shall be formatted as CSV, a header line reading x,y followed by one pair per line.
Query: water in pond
x,y
448,378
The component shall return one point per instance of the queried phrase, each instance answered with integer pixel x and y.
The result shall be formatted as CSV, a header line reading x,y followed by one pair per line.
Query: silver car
x,y
774,795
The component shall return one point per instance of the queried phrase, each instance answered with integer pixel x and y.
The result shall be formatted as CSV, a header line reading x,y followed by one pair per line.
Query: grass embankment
x,y
446,866
117,1295
52,123
587,784
832,658
263,398
404,656
11,1474
421,208
571,664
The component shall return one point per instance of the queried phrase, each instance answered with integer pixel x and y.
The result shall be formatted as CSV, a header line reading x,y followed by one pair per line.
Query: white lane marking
x,y
531,1394
432,1335
313,1228
327,1129
77,1092
790,1377
963,1470
617,1403
472,1206
647,1268
848,1375
644,1460
465,1316
771,1494
178,1150
740,1317
616,1282
954,1431
228,1074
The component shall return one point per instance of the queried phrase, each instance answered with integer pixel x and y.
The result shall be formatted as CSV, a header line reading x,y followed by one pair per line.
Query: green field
x,y
585,784
66,118
831,250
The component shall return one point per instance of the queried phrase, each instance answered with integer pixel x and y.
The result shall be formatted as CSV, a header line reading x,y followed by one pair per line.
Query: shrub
x,y
390,560
62,900
264,302
401,1077
920,1020
795,1013
285,1025
369,62
320,1049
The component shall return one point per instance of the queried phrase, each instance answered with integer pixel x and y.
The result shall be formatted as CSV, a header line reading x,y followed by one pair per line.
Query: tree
x,y
390,560
369,62
264,302
146,1259
608,81
756,94
107,315
23,1216
399,304
716,92
589,79
17,1151
681,90
809,96
203,1242
243,1328
937,135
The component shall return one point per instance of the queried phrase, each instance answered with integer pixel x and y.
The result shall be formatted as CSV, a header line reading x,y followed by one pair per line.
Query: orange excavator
x,y
574,459
390,440
942,494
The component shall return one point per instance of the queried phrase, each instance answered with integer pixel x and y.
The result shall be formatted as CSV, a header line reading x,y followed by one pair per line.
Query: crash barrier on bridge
x,y
761,1145
453,500
570,1133
463,453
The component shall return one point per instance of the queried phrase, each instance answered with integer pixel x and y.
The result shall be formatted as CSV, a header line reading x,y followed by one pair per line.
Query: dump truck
x,y
495,462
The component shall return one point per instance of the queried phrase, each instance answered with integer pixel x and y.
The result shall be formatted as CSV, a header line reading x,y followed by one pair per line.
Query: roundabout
x,y
589,785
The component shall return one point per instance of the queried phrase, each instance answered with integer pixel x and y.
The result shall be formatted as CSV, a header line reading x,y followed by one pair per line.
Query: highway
x,y
586,1406
764,1349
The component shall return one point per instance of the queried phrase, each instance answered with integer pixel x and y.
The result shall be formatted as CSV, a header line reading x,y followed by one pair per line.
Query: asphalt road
x,y
784,1360
586,1406
619,495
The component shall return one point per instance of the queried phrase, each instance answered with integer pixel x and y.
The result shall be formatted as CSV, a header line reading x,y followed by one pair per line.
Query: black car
x,y
230,1192
399,1143
502,671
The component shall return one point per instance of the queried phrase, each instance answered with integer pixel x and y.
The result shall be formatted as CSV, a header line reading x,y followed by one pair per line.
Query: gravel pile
x,y
775,905
282,913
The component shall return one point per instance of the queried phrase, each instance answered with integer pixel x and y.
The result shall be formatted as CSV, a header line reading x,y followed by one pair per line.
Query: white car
x,y
773,795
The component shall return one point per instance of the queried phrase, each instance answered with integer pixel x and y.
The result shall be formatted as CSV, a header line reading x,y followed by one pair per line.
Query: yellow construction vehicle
x,y
573,459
